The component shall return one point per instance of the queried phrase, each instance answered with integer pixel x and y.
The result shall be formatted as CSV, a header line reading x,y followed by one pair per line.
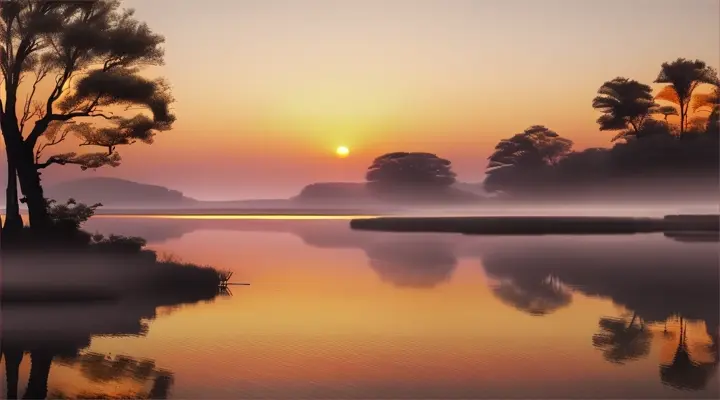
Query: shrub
x,y
118,243
71,214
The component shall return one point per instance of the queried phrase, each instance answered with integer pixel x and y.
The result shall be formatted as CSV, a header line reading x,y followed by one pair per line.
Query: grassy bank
x,y
103,269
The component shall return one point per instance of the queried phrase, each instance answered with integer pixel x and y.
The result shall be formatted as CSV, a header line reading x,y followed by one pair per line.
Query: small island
x,y
514,225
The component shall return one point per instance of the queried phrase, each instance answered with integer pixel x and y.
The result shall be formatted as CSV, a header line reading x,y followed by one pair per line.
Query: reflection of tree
x,y
100,368
533,297
412,263
51,333
683,372
622,341
40,361
655,277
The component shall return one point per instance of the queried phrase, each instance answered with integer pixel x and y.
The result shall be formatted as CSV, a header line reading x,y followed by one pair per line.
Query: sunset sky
x,y
267,89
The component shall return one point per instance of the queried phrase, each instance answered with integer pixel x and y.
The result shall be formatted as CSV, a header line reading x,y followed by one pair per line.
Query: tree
x,y
517,160
414,170
625,105
683,77
666,111
709,102
95,51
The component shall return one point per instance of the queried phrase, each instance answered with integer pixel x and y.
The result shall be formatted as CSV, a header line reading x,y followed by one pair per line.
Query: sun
x,y
342,151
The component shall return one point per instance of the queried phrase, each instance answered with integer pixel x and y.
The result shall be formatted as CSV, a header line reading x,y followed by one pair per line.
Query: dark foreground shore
x,y
541,225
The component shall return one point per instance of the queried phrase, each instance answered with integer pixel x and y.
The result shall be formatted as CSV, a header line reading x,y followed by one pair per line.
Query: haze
x,y
266,90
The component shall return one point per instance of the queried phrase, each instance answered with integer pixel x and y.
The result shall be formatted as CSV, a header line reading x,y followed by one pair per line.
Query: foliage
x,y
683,77
410,169
173,272
625,104
524,157
536,146
709,102
118,243
96,50
646,151
653,153
71,214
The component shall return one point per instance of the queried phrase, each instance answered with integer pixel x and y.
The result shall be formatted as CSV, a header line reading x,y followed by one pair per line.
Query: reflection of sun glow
x,y
342,151
235,216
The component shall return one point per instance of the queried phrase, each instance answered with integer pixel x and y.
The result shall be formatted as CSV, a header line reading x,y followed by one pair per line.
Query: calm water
x,y
333,313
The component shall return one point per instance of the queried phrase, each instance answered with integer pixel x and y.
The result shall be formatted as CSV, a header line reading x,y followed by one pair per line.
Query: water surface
x,y
335,313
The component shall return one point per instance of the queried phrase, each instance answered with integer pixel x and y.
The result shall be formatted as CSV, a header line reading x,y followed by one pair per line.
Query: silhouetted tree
x,y
622,341
414,175
666,111
94,49
683,77
709,102
625,105
520,159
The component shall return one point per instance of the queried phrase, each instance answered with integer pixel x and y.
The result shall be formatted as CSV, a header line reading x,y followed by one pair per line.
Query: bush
x,y
71,214
118,243
173,272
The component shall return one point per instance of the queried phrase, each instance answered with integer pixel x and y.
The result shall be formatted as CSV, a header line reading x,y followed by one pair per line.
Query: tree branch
x,y
69,116
27,115
54,142
50,161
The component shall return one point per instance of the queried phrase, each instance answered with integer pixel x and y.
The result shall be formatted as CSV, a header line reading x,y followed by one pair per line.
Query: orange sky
x,y
266,89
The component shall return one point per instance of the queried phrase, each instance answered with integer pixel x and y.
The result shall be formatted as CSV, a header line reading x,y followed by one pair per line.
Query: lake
x,y
335,313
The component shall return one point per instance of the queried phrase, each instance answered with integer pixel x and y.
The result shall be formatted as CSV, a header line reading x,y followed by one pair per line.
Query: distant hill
x,y
115,193
351,193
335,192
118,192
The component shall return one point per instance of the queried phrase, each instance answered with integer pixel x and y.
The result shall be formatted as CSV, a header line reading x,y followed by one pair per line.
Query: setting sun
x,y
342,151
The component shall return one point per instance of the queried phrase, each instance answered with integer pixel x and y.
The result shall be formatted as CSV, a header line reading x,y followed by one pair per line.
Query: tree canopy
x,y
517,160
625,105
410,169
91,53
682,77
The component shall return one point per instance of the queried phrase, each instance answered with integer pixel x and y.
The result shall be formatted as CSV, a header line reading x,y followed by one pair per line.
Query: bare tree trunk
x,y
23,158
683,116
13,221
32,189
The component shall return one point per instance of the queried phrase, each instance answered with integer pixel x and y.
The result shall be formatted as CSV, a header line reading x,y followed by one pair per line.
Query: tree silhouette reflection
x,y
533,297
685,373
622,341
57,334
420,263
656,281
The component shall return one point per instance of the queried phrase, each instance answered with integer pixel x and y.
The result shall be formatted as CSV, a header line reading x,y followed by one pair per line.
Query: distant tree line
x,y
647,148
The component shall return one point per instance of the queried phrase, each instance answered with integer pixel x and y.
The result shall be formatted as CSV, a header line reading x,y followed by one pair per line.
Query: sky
x,y
267,89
